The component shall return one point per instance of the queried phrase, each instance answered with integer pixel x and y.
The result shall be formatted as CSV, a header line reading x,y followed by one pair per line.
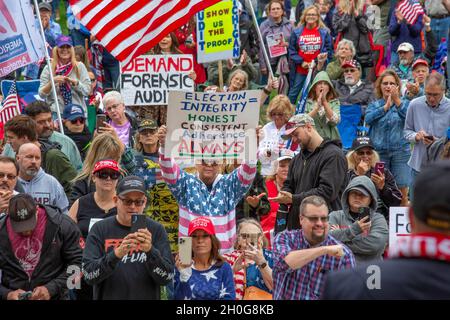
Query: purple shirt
x,y
307,282
123,132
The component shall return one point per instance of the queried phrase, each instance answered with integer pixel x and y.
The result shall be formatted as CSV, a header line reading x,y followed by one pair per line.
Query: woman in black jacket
x,y
362,160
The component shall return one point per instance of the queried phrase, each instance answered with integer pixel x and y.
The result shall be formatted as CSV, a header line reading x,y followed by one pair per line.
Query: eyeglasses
x,y
113,107
364,153
78,120
7,175
203,236
113,175
148,132
129,202
279,114
316,219
350,70
311,15
388,83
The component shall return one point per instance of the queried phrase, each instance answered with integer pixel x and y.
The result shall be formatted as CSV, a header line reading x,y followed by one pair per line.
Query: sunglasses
x,y
113,175
316,219
210,163
364,153
277,114
78,120
129,202
350,70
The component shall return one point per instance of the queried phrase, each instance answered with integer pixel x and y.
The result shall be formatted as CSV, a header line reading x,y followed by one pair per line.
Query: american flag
x,y
129,28
10,106
411,10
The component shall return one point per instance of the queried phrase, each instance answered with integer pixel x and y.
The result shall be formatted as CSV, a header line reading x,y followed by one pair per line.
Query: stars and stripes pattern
x,y
10,106
129,28
195,200
411,10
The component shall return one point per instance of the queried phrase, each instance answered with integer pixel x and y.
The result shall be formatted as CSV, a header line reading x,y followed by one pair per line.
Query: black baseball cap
x,y
147,124
431,203
22,213
362,142
130,184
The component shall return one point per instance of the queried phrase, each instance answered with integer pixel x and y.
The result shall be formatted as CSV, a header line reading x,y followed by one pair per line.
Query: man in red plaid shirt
x,y
302,258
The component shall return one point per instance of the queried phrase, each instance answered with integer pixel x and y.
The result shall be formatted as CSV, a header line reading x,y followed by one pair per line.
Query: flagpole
x,y
263,47
47,58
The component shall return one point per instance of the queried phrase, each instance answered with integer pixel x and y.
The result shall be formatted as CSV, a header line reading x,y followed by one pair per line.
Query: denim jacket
x,y
386,128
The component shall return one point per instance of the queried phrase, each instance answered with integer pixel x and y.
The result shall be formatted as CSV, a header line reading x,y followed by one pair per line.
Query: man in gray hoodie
x,y
366,237
44,188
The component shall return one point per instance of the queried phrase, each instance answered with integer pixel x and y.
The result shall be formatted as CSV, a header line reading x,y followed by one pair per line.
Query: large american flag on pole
x,y
10,106
129,28
411,10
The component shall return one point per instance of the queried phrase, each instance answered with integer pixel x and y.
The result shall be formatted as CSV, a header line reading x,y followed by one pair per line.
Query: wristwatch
x,y
263,265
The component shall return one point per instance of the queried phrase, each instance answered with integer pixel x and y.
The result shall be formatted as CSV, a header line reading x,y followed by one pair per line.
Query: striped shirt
x,y
195,200
307,282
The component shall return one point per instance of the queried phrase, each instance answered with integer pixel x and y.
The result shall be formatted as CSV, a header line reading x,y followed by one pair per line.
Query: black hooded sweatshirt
x,y
321,172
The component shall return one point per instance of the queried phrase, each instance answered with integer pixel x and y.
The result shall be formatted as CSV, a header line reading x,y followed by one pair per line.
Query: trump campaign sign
x,y
20,42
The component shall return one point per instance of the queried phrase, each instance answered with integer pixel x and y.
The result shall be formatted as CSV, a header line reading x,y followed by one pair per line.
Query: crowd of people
x,y
104,208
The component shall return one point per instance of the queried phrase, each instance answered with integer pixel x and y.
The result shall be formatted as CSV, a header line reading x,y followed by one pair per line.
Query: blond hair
x,y
319,22
352,163
280,103
104,146
73,61
255,223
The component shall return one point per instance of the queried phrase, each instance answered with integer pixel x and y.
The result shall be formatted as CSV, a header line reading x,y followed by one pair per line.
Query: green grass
x,y
62,17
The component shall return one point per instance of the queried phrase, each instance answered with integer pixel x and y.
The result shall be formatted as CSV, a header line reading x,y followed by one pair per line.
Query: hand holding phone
x,y
185,250
364,212
379,168
25,295
138,221
101,119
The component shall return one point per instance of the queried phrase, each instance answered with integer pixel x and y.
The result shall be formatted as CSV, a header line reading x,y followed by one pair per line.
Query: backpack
x,y
46,146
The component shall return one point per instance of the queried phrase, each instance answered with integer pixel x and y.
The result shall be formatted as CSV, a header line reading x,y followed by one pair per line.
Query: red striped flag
x,y
129,28
411,10
10,106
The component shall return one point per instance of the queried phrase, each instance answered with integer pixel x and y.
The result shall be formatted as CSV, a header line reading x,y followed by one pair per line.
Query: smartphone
x,y
101,118
379,167
138,221
25,295
429,137
364,212
185,250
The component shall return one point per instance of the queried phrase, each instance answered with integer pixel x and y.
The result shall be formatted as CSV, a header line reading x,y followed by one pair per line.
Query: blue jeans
x,y
440,28
414,174
397,162
297,85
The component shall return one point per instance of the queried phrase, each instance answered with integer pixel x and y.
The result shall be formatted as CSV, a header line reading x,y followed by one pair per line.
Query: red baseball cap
x,y
106,164
420,61
351,64
201,223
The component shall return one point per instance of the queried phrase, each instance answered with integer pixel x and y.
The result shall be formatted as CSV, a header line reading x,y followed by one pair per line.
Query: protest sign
x,y
147,79
20,42
219,126
399,225
276,44
218,32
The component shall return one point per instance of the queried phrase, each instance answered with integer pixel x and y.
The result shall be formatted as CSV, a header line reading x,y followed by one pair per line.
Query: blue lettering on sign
x,y
11,47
